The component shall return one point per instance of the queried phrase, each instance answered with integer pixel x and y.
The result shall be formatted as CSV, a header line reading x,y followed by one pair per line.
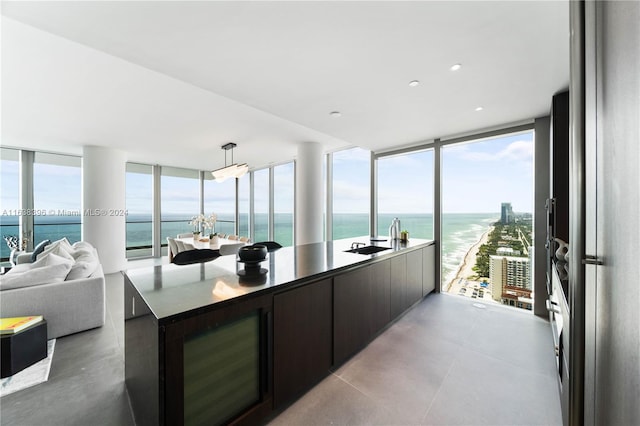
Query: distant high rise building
x,y
506,214
510,280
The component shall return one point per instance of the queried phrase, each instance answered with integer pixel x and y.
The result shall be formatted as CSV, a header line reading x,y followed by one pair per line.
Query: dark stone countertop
x,y
171,291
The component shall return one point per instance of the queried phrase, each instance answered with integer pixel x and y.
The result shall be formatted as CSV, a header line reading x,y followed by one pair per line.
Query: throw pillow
x,y
58,248
21,267
82,245
84,252
66,244
39,249
54,259
45,260
54,271
85,265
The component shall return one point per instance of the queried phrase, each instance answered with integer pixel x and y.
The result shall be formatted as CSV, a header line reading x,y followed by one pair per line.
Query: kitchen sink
x,y
367,249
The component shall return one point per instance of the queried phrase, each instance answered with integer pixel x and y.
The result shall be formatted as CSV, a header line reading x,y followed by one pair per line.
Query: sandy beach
x,y
466,268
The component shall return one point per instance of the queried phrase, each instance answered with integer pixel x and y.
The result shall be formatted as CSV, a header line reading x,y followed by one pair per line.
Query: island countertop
x,y
172,291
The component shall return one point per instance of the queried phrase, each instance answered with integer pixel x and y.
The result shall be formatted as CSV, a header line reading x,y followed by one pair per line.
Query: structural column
x,y
309,202
104,205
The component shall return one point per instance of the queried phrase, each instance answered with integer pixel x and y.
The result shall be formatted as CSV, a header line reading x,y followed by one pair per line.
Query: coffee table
x,y
22,349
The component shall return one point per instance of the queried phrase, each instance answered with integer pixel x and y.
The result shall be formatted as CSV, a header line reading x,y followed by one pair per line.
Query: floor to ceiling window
x,y
244,197
9,198
405,190
351,193
180,201
283,203
487,204
57,190
261,205
139,202
220,198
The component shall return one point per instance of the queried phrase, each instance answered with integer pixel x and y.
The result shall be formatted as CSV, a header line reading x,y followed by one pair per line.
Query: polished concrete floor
x,y
446,362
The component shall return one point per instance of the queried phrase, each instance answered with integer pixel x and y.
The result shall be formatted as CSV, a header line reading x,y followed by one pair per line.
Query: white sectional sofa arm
x,y
23,258
68,306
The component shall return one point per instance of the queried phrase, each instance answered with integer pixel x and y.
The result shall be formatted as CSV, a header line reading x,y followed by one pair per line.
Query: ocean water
x,y
459,233
460,230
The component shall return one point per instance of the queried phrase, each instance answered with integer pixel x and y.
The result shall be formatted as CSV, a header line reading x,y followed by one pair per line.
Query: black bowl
x,y
252,253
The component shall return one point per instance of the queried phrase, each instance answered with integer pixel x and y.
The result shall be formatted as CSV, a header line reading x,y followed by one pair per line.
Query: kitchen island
x,y
214,343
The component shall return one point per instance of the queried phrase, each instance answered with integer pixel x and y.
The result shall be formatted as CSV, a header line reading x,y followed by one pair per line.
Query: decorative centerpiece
x,y
201,222
253,253
251,256
210,223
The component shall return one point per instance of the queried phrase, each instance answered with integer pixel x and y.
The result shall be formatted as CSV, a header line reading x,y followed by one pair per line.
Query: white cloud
x,y
515,151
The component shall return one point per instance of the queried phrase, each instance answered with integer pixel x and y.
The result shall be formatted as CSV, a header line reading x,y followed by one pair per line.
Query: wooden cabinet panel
x,y
428,269
398,288
351,313
414,277
302,323
380,289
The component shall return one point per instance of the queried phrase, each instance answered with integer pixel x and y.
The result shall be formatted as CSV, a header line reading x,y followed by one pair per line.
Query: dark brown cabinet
x,y
558,209
380,293
428,269
351,313
414,278
302,332
406,281
560,165
398,294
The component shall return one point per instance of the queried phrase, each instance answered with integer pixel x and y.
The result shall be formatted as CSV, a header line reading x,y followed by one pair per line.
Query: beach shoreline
x,y
465,270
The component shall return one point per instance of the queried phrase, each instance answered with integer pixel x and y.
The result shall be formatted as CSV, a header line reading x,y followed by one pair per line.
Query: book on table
x,y
16,324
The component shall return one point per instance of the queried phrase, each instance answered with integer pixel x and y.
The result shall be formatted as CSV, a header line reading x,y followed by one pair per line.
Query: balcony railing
x,y
169,228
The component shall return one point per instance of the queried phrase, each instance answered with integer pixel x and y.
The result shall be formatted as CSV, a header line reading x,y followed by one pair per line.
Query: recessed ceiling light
x,y
335,113
414,83
479,109
455,67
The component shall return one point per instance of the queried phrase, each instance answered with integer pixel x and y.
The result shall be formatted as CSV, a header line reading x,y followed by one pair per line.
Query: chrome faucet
x,y
356,244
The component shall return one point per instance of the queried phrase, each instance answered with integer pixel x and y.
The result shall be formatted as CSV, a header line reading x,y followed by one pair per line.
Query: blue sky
x,y
55,187
477,177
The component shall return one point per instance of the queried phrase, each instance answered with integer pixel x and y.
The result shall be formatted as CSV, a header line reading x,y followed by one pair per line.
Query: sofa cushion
x,y
47,260
39,249
85,265
82,245
49,269
20,267
60,247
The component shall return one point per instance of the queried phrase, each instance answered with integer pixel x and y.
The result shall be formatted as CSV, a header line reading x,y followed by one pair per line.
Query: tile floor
x,y
446,362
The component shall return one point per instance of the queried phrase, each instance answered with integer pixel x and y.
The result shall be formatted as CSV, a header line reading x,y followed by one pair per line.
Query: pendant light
x,y
233,170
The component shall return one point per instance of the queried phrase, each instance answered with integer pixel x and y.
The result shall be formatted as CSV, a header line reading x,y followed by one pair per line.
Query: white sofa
x,y
65,285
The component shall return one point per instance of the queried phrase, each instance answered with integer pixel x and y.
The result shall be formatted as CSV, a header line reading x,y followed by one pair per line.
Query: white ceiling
x,y
170,82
